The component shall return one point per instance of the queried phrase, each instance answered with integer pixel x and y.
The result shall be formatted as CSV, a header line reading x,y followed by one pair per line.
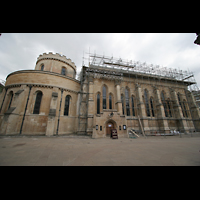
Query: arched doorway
x,y
109,126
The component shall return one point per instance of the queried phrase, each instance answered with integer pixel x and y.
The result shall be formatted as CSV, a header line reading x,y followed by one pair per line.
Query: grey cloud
x,y
20,50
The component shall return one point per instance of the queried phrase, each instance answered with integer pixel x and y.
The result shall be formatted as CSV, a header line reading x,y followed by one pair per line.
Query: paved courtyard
x,y
84,151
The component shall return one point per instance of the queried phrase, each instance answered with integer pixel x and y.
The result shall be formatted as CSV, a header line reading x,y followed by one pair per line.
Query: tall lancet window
x,y
133,107
164,103
127,102
169,106
146,102
184,106
152,108
122,99
98,103
104,97
67,102
110,101
37,103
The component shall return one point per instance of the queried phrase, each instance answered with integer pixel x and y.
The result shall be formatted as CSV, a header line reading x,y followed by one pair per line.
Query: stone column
x,y
162,121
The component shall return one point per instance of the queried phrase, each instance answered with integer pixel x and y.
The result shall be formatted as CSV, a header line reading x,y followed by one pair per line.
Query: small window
x,y
63,72
37,103
42,67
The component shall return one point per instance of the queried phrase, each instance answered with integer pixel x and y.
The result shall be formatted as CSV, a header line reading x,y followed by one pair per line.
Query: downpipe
x,y
59,112
20,132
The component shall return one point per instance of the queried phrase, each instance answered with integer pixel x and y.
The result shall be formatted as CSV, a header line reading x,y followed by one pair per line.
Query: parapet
x,y
56,56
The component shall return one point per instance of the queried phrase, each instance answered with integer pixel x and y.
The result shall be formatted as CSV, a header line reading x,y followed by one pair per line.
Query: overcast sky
x,y
19,51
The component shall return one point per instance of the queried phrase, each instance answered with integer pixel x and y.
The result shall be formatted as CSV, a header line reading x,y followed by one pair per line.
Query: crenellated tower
x,y
56,63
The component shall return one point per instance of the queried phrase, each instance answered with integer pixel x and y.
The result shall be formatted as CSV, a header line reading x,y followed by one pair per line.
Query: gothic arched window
x,y
98,103
184,106
110,101
104,97
37,103
127,102
67,102
152,108
133,106
169,107
146,102
122,99
164,103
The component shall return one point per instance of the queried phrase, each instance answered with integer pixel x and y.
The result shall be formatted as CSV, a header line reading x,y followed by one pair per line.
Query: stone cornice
x,y
42,86
43,72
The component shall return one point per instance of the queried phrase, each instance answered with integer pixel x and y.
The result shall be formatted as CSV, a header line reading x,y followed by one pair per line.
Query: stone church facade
x,y
49,100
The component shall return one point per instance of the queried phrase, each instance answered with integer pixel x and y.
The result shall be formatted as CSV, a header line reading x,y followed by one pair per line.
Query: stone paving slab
x,y
85,151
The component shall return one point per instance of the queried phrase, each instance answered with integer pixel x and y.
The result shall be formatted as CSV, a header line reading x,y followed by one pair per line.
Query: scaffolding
x,y
141,68
117,69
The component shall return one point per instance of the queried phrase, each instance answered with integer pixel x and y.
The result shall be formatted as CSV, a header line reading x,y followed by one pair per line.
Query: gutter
x,y
59,112
30,87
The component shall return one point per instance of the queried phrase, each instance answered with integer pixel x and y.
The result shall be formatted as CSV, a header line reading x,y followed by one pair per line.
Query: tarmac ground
x,y
85,151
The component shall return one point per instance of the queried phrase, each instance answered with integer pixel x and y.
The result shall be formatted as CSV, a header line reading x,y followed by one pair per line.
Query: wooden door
x,y
109,127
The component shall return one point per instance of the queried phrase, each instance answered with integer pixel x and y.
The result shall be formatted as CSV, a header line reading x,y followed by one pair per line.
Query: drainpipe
x,y
3,99
59,112
30,87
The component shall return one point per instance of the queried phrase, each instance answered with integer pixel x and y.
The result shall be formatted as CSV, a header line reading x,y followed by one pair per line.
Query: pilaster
x,y
118,102
52,113
90,106
162,121
141,110
178,112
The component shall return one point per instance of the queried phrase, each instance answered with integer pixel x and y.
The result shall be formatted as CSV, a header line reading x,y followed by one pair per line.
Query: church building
x,y
110,94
